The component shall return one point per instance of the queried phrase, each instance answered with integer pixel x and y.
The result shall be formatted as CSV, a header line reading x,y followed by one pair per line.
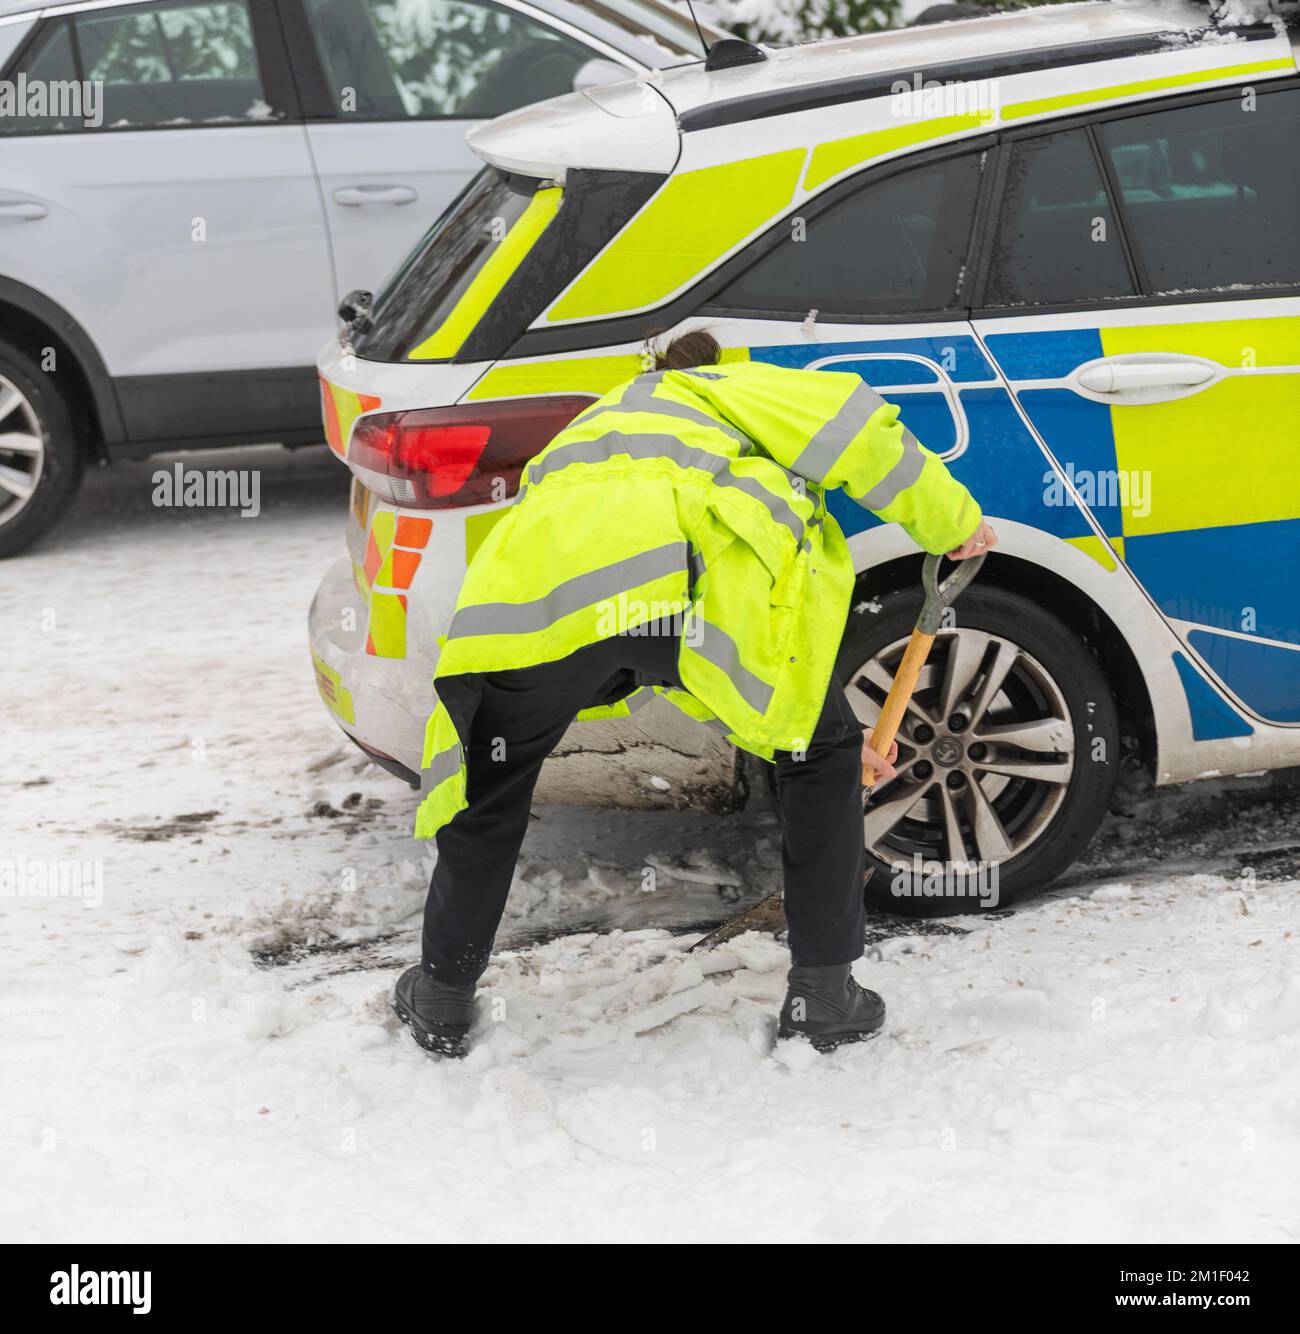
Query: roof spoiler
x,y
625,126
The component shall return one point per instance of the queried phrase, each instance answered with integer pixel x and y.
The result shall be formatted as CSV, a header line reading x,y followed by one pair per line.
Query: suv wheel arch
x,y
31,318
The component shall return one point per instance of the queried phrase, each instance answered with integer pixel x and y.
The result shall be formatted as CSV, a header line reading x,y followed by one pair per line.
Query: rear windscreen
x,y
420,314
432,279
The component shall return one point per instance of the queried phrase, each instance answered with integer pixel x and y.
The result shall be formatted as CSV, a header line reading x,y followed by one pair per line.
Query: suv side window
x,y
895,246
1057,241
1211,192
154,65
48,64
386,60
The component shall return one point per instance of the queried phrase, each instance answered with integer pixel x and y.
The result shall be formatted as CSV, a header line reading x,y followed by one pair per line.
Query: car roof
x,y
1007,39
690,116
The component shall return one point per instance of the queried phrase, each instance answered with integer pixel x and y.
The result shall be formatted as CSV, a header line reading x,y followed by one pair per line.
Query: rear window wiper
x,y
356,310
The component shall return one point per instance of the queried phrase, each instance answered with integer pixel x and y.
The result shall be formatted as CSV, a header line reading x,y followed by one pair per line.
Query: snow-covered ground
x,y
207,1053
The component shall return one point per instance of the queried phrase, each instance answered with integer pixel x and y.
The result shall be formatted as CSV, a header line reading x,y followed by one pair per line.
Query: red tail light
x,y
440,458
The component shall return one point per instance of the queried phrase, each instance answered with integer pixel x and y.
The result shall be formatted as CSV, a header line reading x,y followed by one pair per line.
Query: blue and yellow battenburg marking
x,y
1211,528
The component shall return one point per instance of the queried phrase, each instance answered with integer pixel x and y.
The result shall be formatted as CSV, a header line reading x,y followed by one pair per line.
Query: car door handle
x,y
1144,377
354,196
24,210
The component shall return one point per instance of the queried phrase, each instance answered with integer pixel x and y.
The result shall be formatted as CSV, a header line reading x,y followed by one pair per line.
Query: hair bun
x,y
697,347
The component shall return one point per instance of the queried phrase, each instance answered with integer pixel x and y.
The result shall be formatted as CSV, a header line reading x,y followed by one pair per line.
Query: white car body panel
x,y
176,249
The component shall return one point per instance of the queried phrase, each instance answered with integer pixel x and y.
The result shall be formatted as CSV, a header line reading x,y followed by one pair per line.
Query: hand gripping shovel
x,y
769,913
938,598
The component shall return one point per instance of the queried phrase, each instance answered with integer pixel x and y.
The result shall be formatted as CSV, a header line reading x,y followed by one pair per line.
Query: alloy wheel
x,y
986,752
22,450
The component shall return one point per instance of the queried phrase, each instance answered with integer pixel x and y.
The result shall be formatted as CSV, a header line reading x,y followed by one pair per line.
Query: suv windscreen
x,y
1211,192
897,246
429,282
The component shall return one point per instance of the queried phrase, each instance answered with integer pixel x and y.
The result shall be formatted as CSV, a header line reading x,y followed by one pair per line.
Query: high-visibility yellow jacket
x,y
700,493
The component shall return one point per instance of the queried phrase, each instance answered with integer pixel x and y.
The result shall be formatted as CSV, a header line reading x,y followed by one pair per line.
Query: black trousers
x,y
522,715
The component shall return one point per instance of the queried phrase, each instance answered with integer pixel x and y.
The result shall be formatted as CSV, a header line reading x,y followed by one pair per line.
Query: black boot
x,y
438,1014
826,1006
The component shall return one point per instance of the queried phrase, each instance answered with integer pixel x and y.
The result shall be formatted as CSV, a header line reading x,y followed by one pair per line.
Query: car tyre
x,y
1027,782
41,453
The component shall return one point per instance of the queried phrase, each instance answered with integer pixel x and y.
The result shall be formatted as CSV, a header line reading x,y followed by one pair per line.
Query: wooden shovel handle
x,y
900,694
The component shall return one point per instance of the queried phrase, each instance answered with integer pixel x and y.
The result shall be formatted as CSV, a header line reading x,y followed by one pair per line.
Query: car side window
x,y
173,64
48,65
1056,241
1211,192
893,246
146,66
403,59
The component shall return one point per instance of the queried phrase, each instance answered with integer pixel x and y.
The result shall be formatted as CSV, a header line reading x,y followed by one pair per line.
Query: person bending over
x,y
674,539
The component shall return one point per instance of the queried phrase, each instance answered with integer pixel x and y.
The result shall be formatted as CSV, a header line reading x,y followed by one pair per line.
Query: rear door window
x,y
150,66
1057,242
893,246
424,59
172,64
1211,192
49,64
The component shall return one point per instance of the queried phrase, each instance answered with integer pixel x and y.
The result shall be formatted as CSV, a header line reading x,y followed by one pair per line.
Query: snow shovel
x,y
769,913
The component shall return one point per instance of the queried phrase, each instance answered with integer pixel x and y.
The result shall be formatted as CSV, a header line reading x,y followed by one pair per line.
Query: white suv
x,y
185,185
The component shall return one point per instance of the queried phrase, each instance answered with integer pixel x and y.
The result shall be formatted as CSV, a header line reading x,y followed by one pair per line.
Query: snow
x,y
208,1053
784,22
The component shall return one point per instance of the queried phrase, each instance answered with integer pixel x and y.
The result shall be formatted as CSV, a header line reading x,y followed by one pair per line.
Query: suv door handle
x,y
353,196
1145,377
24,210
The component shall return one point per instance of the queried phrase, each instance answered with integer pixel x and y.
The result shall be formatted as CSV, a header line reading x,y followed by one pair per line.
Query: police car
x,y
1063,240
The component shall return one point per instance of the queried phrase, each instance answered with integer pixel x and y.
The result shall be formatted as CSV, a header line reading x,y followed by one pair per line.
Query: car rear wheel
x,y
1007,756
41,462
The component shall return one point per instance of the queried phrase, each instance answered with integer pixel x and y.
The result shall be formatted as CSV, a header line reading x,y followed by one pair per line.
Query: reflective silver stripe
x,y
705,375
778,508
666,407
716,723
718,647
444,765
822,452
898,478
640,396
521,618
639,698
635,392
612,443
605,447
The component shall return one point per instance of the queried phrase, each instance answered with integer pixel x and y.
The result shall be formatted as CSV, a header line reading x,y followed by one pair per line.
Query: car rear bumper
x,y
379,702
657,758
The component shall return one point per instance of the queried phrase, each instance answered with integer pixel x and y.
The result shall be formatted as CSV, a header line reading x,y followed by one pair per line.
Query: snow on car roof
x,y
802,94
907,49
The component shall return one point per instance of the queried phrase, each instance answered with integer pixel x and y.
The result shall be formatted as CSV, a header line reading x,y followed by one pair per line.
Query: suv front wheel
x,y
41,462
1007,756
